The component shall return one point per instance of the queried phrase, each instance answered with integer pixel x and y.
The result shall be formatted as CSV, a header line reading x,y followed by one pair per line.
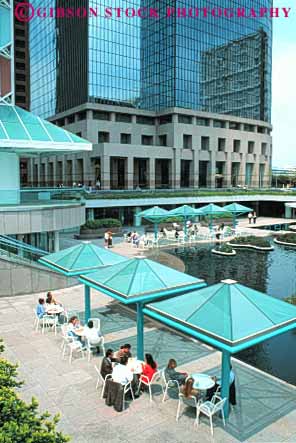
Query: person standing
x,y
106,238
250,216
254,217
110,240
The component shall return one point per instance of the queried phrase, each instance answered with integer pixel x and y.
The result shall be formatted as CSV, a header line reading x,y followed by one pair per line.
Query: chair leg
x,y
211,422
178,411
103,390
165,394
139,387
98,382
132,392
223,417
150,392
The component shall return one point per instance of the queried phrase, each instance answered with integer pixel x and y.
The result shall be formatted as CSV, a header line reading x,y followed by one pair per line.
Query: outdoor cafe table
x,y
54,310
202,382
135,366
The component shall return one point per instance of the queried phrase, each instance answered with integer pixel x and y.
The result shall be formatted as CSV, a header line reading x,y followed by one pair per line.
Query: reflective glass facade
x,y
213,64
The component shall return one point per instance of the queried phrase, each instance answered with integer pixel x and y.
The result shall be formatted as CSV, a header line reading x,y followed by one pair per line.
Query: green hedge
x,y
288,238
291,299
251,240
102,223
224,248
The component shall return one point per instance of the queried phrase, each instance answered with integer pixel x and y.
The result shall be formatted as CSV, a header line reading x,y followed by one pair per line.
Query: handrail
x,y
19,245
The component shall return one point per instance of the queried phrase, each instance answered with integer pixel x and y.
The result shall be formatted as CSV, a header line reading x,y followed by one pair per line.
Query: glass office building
x,y
214,64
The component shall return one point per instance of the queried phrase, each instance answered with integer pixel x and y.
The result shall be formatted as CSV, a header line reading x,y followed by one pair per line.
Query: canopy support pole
x,y
140,332
155,231
234,221
225,378
87,308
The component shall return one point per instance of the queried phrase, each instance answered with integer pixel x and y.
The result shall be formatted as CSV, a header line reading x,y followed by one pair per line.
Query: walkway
x,y
266,410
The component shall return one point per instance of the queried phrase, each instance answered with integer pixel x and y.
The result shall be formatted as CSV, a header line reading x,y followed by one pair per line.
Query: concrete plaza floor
x,y
266,409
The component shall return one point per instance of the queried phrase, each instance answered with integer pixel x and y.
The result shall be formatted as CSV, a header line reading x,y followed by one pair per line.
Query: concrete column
x,y
90,214
212,183
288,211
20,237
56,239
54,171
130,173
137,219
64,171
87,173
195,178
105,172
121,215
74,170
176,169
9,178
228,166
152,173
242,171
255,178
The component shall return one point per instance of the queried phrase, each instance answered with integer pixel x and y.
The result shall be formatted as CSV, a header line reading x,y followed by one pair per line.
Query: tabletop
x,y
135,365
79,331
202,381
54,309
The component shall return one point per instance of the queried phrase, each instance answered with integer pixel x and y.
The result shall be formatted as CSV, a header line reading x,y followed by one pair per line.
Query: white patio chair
x,y
167,385
91,346
145,381
126,389
49,322
101,380
210,408
36,323
73,346
64,331
190,401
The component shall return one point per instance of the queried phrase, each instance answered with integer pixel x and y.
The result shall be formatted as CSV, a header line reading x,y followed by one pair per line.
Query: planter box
x,y
228,254
88,234
284,243
256,248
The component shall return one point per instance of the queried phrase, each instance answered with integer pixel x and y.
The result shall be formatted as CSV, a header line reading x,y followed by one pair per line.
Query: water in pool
x,y
273,273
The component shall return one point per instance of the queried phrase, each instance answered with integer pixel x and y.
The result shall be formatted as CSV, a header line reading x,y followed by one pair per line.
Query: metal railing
x,y
20,250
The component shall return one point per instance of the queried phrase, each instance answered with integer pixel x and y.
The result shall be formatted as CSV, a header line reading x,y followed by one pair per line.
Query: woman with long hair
x,y
188,389
149,367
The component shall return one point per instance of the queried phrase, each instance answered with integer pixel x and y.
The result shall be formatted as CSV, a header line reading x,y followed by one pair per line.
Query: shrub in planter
x,y
251,240
287,238
224,248
101,223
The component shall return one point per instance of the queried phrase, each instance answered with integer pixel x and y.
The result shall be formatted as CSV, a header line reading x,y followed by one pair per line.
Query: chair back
x,y
96,322
155,376
64,330
188,401
220,405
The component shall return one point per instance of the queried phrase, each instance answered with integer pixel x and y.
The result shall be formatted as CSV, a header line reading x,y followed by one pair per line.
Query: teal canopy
x,y
227,315
184,211
80,259
140,279
154,214
22,131
236,208
212,209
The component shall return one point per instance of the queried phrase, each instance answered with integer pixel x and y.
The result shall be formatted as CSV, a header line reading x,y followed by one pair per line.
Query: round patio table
x,y
135,365
202,381
55,310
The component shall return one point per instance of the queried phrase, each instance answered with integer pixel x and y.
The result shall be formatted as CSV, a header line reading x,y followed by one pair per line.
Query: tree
x,y
20,422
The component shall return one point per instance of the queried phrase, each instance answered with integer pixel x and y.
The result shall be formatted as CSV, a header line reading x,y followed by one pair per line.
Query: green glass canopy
x,y
228,315
185,211
139,279
80,259
153,214
22,131
236,208
212,209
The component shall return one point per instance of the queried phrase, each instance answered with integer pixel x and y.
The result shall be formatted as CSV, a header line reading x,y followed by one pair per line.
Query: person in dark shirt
x,y
106,366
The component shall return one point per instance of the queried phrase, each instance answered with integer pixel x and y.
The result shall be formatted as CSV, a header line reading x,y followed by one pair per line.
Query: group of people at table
x,y
125,369
120,366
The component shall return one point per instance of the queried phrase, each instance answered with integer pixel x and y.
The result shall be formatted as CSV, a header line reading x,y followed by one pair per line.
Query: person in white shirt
x,y
121,374
93,335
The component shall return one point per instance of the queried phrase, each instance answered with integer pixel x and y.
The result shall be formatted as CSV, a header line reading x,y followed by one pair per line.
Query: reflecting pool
x,y
273,273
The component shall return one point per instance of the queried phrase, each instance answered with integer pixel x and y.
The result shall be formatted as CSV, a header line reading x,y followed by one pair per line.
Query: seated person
x,y
106,366
125,350
149,367
92,334
50,300
171,373
72,325
40,310
217,386
188,390
121,374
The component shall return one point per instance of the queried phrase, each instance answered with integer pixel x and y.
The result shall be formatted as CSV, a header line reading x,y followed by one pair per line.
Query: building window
x,y
123,118
81,115
187,141
221,144
249,128
236,145
261,130
79,134
147,140
202,121
145,120
219,124
234,125
71,118
263,148
251,146
103,137
164,119
101,115
125,139
186,119
162,140
205,143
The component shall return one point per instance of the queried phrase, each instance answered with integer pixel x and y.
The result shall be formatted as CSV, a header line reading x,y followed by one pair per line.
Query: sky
x,y
284,88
